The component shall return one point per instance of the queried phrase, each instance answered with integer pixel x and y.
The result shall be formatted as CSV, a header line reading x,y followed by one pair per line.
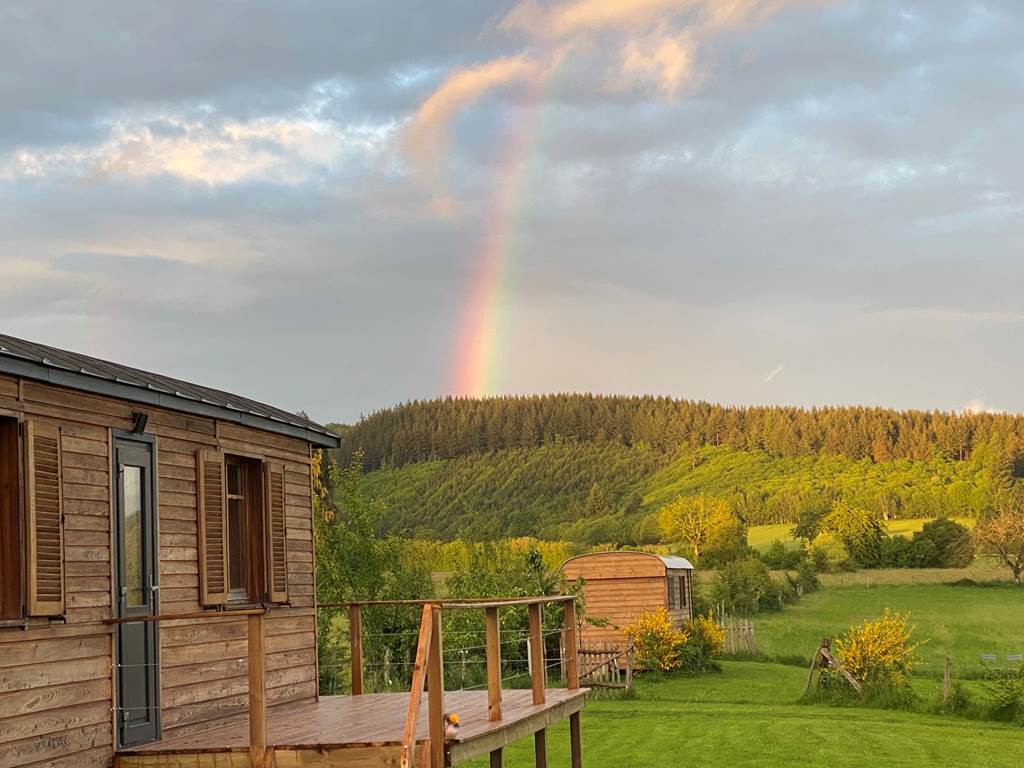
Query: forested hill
x,y
597,469
454,427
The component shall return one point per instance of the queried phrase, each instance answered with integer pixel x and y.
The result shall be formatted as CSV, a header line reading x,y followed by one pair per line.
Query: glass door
x,y
138,646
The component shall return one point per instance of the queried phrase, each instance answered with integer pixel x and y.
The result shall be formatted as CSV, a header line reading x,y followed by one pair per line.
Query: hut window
x,y
11,564
673,593
682,591
244,529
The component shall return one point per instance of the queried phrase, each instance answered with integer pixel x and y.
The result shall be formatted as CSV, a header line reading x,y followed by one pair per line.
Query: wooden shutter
x,y
213,522
45,528
276,536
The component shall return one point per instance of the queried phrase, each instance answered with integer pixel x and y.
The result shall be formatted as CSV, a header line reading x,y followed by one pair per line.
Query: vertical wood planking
x,y
355,635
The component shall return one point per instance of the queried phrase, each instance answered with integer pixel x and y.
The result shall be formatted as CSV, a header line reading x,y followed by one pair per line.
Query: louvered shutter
x,y
276,537
45,529
213,551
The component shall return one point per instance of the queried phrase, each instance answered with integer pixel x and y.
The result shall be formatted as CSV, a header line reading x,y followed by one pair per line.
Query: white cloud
x,y
768,379
207,150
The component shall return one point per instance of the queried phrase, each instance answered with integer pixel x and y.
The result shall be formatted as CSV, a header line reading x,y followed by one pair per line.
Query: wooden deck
x,y
357,731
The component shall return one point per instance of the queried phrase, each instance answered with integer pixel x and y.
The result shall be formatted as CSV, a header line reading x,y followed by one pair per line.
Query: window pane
x,y
235,479
134,550
236,544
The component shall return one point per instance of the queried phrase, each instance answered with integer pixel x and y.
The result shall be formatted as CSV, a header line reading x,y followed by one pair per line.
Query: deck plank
x,y
370,720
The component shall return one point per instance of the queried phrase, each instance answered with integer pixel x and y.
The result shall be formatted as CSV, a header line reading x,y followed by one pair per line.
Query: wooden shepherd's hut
x,y
619,586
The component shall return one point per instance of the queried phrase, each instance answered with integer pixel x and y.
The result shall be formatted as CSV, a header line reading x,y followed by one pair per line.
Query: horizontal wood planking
x,y
50,666
47,749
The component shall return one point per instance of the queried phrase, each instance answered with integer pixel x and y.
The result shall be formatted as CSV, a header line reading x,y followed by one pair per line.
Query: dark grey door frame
x,y
136,588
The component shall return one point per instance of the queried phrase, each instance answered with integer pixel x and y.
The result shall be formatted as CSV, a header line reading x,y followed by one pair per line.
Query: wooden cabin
x,y
157,601
619,586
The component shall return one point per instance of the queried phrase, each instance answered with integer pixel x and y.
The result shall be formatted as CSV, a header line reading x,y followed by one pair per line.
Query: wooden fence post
x,y
355,637
259,755
629,665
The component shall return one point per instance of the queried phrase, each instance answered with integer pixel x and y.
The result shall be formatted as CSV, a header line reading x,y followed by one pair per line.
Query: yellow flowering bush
x,y
660,646
878,652
712,634
656,641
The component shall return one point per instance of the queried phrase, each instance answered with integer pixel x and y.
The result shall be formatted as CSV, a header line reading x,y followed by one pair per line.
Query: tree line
x,y
453,427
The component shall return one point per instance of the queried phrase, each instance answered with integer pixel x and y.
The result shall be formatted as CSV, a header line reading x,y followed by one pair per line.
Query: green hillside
x,y
595,469
602,492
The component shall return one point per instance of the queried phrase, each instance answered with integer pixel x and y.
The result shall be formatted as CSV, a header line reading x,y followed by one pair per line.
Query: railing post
x,y
492,641
355,635
572,681
537,653
538,678
259,755
435,691
572,675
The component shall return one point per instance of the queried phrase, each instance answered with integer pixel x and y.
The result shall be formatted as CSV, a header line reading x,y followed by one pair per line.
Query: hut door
x,y
138,673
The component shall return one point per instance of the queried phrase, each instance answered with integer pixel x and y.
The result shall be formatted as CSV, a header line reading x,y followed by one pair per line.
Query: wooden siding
x,y
56,679
618,587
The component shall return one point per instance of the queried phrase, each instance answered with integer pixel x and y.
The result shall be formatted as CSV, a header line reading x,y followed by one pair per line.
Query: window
x,y
245,530
682,591
243,537
673,593
11,563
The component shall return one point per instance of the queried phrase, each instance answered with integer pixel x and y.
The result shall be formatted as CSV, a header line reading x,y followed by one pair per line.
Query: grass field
x,y
749,715
963,622
761,536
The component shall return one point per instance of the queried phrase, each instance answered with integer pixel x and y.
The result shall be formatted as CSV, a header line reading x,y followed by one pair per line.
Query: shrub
x,y
1006,693
746,587
663,648
942,543
705,643
878,653
897,552
778,557
656,641
859,531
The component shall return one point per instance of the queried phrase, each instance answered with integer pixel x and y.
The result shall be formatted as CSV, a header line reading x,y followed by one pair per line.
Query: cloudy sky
x,y
336,206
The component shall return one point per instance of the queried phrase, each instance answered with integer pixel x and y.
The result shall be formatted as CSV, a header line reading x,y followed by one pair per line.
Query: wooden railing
x,y
259,755
428,670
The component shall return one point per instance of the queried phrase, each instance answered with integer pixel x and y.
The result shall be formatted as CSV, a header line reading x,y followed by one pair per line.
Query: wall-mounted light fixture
x,y
139,421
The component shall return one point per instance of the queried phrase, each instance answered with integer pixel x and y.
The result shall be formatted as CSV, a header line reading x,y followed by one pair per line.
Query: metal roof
x,y
670,562
676,563
88,374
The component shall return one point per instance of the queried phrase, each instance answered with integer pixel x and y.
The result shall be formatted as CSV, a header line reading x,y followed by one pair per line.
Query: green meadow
x,y
751,712
749,715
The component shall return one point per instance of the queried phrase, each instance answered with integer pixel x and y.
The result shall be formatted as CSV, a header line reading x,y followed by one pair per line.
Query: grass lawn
x,y
748,716
963,622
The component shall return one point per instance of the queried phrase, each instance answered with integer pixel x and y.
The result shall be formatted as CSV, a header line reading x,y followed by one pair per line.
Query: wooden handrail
x,y
419,675
465,602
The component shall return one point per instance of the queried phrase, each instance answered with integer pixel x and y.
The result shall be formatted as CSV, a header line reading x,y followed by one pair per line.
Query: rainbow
x,y
483,329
